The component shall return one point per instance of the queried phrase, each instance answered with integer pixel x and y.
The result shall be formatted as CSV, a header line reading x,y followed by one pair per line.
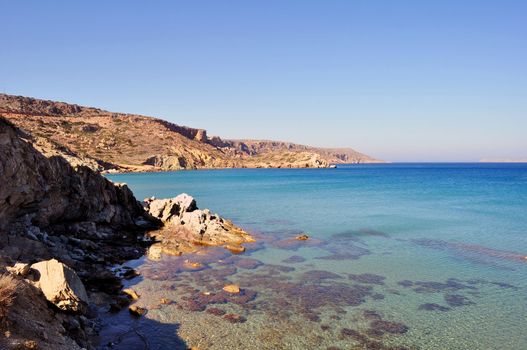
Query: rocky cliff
x,y
47,192
104,140
50,209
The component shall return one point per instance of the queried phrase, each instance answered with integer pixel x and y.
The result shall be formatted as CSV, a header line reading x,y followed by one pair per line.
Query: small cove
x,y
401,255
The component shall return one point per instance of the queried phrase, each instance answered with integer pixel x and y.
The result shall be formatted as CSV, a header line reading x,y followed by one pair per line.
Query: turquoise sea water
x,y
428,256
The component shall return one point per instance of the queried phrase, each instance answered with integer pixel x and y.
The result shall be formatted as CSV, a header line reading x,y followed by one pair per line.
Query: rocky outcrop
x,y
61,286
170,210
167,162
201,136
185,223
33,106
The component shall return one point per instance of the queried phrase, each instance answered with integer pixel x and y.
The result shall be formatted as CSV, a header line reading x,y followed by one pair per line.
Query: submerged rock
x,y
61,285
247,263
433,307
379,327
233,318
136,310
455,300
191,265
216,311
319,275
293,243
294,259
166,301
367,278
235,249
131,293
232,288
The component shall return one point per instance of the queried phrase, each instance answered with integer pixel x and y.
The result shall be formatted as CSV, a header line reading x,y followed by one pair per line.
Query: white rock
x,y
20,269
164,209
186,203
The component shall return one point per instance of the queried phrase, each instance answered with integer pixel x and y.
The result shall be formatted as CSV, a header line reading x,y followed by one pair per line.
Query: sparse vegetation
x,y
8,288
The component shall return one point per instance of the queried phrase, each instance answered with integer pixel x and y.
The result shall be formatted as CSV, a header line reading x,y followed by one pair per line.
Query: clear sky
x,y
400,80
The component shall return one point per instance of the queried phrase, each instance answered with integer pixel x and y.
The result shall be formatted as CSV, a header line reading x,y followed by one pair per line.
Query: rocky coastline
x,y
63,228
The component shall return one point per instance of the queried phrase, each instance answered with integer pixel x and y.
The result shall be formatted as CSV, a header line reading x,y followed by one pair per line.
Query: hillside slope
x,y
104,140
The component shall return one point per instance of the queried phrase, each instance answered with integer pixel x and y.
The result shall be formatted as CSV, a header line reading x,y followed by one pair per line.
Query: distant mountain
x,y
500,160
127,142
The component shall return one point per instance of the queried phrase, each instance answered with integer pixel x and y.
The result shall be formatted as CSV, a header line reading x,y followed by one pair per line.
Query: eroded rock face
x,y
167,162
184,222
61,286
47,191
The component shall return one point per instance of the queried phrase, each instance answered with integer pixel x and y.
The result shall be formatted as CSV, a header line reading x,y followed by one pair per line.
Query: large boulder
x,y
61,286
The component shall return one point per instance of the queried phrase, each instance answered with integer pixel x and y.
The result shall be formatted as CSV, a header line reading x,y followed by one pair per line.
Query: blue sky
x,y
400,80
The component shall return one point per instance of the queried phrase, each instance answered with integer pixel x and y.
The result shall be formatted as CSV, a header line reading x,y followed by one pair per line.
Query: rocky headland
x,y
107,141
63,228
185,227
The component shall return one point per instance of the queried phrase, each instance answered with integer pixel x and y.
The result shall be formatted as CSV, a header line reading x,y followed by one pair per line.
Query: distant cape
x,y
500,160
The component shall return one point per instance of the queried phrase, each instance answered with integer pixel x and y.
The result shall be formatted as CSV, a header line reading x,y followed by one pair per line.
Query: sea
x,y
399,256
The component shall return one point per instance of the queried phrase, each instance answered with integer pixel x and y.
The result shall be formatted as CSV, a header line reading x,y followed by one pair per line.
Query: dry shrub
x,y
8,288
30,345
22,345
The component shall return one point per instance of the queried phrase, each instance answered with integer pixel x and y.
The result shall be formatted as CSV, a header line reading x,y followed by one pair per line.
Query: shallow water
x,y
428,256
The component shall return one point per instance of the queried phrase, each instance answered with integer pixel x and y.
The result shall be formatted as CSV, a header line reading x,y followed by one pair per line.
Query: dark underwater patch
x,y
368,278
318,275
294,259
456,300
433,307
